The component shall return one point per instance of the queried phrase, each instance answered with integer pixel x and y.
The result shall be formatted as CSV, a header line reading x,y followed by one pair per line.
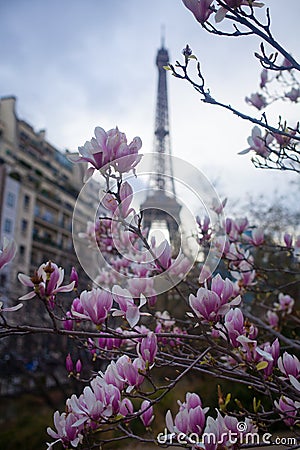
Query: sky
x,y
75,64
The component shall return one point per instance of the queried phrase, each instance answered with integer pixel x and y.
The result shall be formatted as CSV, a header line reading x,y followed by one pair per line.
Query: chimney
x,y
8,118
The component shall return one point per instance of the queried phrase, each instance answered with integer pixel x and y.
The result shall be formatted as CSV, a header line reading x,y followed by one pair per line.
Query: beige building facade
x,y
39,188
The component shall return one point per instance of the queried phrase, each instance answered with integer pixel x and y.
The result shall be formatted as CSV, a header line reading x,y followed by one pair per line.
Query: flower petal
x,y
132,315
25,279
28,296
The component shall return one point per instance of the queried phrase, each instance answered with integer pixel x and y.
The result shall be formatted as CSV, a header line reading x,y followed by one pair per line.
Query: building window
x,y
3,279
24,226
48,216
35,233
26,201
10,199
48,238
7,226
37,210
21,253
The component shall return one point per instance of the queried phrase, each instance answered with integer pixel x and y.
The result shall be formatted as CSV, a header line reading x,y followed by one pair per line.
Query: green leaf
x,y
256,404
167,67
227,399
262,365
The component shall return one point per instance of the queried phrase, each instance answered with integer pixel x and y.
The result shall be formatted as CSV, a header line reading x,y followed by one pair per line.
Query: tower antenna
x,y
163,35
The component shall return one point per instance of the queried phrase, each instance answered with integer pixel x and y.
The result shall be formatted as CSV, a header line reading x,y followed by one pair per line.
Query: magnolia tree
x,y
235,320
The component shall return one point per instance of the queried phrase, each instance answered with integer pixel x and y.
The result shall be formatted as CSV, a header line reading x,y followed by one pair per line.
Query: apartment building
x,y
39,188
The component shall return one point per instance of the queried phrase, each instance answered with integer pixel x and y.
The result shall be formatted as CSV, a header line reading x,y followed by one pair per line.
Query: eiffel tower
x,y
161,209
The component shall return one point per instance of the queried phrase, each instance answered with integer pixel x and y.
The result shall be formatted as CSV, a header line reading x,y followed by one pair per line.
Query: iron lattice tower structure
x,y
161,204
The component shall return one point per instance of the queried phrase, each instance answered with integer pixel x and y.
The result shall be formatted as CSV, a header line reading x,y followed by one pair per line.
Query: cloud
x,y
74,65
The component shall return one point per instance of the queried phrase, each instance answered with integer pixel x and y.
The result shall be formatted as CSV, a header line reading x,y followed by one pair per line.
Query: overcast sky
x,y
76,64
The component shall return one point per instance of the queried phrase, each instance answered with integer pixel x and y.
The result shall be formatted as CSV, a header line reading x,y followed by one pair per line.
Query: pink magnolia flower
x,y
263,78
90,407
109,202
228,225
286,63
244,274
66,432
235,252
163,254
284,140
218,206
206,304
164,319
200,8
258,143
127,306
192,400
147,348
126,407
234,325
235,3
293,94
74,277
232,425
257,236
123,209
69,363
257,100
241,224
272,318
221,13
223,288
107,394
288,240
288,409
249,348
126,193
181,421
147,415
109,147
68,321
204,229
196,419
112,376
77,308
289,365
127,156
204,226
78,367
96,305
285,303
217,428
129,371
274,350
140,366
47,282
211,304
7,253
190,417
